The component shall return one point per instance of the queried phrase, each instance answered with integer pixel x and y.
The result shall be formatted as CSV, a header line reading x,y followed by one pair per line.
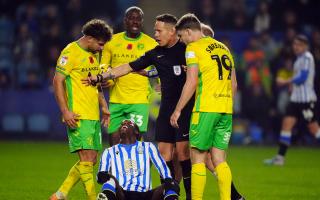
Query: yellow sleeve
x,y
232,61
65,63
106,55
191,56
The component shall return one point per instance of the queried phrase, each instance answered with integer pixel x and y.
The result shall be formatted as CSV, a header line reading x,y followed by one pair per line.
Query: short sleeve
x,y
106,55
191,56
65,63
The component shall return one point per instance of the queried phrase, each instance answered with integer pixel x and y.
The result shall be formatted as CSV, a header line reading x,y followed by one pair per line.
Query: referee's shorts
x,y
167,133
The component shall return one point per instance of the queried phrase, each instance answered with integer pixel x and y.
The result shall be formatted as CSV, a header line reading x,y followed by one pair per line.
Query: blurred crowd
x,y
32,34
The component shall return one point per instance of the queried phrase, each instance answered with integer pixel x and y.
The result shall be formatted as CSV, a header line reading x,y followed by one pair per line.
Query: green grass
x,y
34,170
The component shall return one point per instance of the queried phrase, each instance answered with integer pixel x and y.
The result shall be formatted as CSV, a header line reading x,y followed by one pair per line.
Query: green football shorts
x,y
208,129
139,113
86,136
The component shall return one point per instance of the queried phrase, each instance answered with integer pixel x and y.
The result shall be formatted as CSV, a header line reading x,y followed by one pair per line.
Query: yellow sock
x,y
86,175
198,180
224,180
72,178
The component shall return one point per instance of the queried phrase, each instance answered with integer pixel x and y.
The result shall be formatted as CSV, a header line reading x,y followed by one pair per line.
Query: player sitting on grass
x,y
125,169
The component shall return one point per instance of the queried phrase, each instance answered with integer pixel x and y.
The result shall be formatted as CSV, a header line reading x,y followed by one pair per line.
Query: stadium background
x,y
259,33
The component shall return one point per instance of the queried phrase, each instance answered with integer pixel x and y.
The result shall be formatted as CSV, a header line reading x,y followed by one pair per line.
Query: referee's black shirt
x,y
168,62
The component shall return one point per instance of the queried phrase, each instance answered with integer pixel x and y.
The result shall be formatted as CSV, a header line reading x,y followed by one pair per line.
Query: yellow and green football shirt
x,y
132,88
214,61
75,63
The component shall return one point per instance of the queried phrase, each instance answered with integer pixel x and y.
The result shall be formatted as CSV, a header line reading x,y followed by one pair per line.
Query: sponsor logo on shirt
x,y
132,56
129,46
88,69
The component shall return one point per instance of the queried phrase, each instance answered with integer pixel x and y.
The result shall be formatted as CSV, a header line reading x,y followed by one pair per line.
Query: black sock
x,y
170,165
186,174
234,192
283,149
110,195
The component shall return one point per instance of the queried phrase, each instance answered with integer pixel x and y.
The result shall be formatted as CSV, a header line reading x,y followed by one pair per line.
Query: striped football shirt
x,y
304,92
131,165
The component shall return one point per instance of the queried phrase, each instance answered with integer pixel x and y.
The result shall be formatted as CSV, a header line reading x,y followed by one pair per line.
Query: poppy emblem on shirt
x,y
91,60
129,46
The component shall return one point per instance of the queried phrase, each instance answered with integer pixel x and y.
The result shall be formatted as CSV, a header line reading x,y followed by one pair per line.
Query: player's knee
x,y
183,151
217,159
313,127
183,154
166,153
288,124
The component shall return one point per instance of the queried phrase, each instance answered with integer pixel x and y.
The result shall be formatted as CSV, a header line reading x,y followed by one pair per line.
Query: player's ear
x,y
188,30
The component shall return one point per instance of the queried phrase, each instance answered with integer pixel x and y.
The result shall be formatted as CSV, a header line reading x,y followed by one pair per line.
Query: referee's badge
x,y
177,70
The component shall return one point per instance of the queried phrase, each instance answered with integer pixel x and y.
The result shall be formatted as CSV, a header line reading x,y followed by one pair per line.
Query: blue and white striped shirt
x,y
131,165
303,78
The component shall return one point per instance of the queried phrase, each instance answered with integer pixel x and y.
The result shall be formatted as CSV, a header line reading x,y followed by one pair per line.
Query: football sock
x,y
186,173
109,185
234,192
285,137
72,178
86,175
282,149
170,165
198,180
224,180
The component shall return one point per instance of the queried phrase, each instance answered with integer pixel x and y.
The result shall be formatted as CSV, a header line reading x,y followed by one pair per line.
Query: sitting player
x,y
125,169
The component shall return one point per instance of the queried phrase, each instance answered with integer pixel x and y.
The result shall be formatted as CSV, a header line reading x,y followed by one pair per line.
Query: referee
x,y
302,101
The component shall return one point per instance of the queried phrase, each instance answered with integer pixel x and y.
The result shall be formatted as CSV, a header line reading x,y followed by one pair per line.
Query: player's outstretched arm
x,y
112,74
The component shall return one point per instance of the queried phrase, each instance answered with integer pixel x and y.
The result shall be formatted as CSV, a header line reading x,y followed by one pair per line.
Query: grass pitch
x,y
34,170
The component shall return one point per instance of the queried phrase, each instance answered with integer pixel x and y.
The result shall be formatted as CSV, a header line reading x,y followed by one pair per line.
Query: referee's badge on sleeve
x,y
177,70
